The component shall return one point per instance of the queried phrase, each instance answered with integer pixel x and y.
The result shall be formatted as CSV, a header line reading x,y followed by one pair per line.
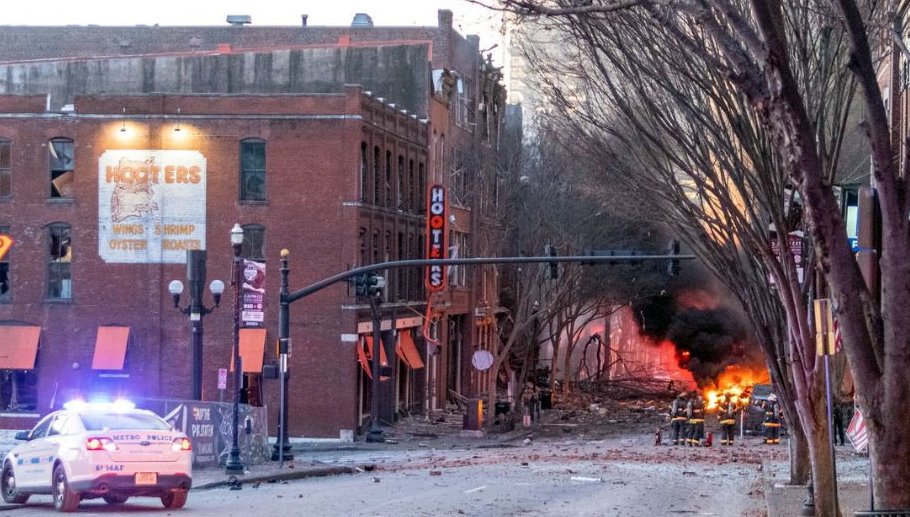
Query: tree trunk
x,y
814,409
888,442
800,470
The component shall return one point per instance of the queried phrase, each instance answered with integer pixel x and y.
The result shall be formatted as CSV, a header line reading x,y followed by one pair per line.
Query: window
x,y
5,174
413,201
19,391
364,258
61,164
421,189
377,176
4,272
252,170
59,273
58,426
40,430
400,193
253,246
364,172
388,178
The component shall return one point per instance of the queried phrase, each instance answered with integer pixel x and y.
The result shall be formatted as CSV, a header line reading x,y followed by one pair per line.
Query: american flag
x,y
857,432
838,342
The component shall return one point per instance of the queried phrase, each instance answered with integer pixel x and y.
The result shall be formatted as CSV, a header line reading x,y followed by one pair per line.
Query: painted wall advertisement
x,y
253,314
151,205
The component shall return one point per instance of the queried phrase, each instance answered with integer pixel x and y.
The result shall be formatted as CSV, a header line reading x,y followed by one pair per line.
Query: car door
x,y
27,457
49,448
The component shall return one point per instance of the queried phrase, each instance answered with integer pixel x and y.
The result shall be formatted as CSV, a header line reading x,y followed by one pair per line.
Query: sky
x,y
468,18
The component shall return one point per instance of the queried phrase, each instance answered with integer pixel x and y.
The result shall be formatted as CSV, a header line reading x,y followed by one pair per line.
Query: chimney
x,y
239,20
362,21
303,18
445,18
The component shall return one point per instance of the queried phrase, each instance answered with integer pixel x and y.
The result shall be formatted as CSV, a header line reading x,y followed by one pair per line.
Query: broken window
x,y
252,170
6,184
253,246
4,271
377,176
61,164
388,178
18,391
400,193
59,271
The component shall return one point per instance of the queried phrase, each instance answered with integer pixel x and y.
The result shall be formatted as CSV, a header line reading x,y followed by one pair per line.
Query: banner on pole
x,y
857,432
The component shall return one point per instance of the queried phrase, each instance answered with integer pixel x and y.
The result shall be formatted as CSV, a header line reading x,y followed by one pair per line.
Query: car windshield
x,y
122,421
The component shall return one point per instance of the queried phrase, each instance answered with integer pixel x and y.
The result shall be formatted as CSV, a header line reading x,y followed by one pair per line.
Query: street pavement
x,y
317,458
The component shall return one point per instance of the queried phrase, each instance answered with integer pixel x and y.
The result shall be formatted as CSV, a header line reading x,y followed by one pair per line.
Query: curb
x,y
278,476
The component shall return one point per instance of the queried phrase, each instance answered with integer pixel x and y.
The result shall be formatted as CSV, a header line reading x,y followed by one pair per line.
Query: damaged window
x,y
253,242
4,271
61,164
364,173
252,170
5,174
59,272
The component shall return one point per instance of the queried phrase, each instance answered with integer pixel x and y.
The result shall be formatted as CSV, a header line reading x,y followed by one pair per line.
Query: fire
x,y
736,381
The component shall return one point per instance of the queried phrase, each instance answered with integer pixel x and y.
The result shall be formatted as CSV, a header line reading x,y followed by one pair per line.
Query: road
x,y
593,478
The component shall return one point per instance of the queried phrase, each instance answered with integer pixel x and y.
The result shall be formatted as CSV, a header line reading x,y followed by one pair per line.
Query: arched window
x,y
364,172
377,176
252,170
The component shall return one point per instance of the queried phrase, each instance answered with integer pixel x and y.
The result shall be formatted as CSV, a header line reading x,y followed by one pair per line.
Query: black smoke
x,y
706,340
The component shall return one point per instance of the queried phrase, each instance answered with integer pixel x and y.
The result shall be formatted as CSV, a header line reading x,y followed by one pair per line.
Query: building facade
x,y
116,158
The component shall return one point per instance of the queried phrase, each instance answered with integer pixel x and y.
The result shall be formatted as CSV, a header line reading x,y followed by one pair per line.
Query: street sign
x,y
222,378
6,242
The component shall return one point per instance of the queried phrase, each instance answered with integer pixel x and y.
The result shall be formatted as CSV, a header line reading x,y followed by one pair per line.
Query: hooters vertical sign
x,y
437,237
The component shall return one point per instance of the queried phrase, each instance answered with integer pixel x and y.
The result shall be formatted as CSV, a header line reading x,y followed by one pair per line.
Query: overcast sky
x,y
469,18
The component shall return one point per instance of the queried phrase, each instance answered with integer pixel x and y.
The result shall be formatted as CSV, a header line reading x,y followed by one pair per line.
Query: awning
x,y
252,349
407,351
383,360
18,347
110,348
362,359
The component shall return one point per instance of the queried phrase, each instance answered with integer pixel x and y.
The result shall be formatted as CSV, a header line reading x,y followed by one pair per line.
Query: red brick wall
x,y
312,185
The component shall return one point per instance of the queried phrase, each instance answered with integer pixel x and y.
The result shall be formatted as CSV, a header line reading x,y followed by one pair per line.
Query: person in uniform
x,y
773,415
726,412
678,418
695,411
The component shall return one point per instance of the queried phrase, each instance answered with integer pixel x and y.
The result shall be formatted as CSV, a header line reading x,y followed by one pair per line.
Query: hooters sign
x,y
437,237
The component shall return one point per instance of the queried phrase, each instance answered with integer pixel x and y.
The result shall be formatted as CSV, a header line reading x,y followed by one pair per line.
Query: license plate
x,y
146,478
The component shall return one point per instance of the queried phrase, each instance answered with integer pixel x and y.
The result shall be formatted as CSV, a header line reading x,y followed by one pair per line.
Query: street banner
x,y
151,205
253,312
825,330
857,432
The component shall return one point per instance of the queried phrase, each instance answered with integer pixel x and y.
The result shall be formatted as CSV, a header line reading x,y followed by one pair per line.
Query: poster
x,y
151,205
253,312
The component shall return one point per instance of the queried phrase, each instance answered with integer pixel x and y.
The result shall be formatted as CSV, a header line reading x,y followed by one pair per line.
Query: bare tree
x,y
753,46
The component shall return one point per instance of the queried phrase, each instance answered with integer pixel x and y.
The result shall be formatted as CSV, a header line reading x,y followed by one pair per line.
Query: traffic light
x,y
366,284
673,263
552,267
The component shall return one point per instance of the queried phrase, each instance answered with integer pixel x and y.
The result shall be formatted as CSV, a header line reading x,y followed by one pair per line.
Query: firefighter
x,y
678,418
771,424
695,411
726,412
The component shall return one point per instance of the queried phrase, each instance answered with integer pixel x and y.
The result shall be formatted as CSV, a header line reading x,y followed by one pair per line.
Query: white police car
x,y
86,451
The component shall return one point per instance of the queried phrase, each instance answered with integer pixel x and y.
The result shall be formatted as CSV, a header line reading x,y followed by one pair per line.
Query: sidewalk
x,y
787,501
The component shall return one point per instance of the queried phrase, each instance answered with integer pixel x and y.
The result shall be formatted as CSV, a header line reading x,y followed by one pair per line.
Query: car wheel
x,y
115,498
65,498
174,499
8,486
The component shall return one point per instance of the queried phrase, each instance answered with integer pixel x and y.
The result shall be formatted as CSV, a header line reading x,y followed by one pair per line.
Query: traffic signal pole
x,y
286,298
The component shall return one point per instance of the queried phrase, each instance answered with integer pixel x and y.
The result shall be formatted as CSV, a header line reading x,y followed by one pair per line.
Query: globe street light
x,y
195,275
233,465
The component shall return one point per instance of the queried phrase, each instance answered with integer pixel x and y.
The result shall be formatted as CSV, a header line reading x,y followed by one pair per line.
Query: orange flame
x,y
737,381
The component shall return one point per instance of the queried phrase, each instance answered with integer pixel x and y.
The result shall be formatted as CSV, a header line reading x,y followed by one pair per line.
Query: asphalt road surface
x,y
612,478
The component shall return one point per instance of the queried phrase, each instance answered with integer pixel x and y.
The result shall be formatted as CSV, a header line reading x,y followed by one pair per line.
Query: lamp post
x,y
282,450
372,288
195,276
233,465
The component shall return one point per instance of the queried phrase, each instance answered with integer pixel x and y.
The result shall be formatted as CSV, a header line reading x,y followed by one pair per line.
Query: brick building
x,y
120,148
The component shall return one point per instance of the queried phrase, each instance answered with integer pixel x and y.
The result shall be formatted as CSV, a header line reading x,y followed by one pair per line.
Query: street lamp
x,y
371,286
195,276
233,465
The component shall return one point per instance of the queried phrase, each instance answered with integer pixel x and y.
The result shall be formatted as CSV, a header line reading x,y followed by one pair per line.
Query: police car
x,y
110,451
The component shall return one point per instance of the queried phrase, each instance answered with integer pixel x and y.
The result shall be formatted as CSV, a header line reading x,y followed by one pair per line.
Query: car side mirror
x,y
22,435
